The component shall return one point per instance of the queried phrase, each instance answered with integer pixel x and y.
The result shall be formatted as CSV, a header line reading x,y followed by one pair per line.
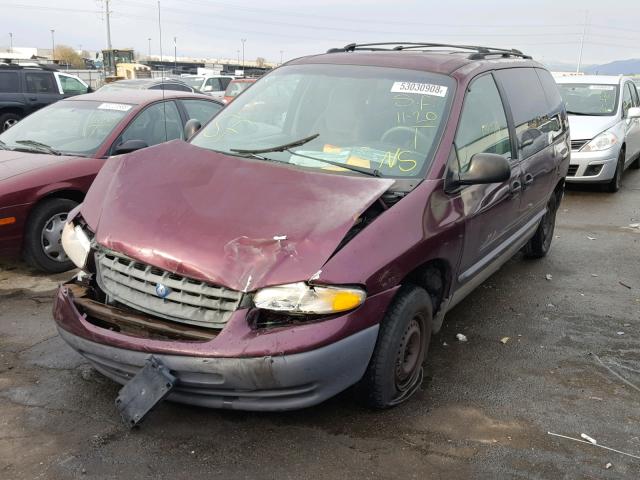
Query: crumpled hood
x,y
587,128
18,163
240,223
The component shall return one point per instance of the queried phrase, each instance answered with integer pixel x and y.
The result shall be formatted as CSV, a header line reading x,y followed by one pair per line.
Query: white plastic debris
x,y
445,344
461,337
594,274
588,438
548,276
550,305
591,238
634,225
504,340
620,333
608,466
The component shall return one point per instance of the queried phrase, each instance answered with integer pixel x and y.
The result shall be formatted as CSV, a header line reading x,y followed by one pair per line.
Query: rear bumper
x,y
268,383
581,161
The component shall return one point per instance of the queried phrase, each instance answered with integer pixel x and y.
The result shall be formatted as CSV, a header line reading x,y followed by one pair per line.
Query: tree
x,y
260,62
68,56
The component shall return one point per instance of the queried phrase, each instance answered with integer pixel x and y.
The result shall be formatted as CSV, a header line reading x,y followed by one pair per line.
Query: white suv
x,y
604,117
213,85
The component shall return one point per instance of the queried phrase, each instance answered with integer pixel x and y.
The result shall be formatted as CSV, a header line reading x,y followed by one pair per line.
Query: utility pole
x,y
584,34
53,44
238,57
107,14
149,56
10,42
160,35
281,52
243,40
175,54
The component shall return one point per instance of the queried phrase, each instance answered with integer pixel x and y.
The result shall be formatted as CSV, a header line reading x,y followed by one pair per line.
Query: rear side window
x,y
201,110
634,94
483,123
551,91
9,82
171,86
40,82
225,82
532,115
212,85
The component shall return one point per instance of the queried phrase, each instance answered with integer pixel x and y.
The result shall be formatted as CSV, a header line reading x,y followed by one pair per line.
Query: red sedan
x,y
49,159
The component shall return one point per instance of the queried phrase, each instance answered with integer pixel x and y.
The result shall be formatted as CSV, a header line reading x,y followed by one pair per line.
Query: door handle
x,y
516,187
33,99
528,179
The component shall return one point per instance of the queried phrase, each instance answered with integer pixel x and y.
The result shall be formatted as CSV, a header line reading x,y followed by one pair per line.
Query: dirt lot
x,y
483,412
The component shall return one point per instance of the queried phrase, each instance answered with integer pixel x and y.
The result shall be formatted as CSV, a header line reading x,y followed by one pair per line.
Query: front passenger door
x,y
630,99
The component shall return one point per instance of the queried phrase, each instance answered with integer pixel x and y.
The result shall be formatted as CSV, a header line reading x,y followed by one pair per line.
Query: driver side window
x,y
483,123
156,124
627,100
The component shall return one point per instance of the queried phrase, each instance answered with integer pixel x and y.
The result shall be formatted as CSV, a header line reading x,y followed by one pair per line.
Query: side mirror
x,y
130,146
191,128
486,168
634,112
89,89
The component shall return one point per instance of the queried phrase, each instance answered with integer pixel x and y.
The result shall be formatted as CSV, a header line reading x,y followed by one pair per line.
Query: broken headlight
x,y
76,244
309,299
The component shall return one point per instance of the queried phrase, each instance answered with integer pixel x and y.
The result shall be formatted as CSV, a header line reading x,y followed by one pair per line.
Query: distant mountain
x,y
619,67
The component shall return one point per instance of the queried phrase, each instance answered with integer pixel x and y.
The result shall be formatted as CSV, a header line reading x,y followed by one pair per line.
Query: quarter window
x,y
71,85
483,124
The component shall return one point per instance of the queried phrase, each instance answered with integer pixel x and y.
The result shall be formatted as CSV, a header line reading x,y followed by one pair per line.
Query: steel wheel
x,y
51,238
410,355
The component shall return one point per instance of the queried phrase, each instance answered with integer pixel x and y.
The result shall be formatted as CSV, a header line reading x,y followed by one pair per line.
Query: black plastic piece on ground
x,y
144,391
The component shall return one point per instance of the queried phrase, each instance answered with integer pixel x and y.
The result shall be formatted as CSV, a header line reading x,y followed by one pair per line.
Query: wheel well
x,y
15,110
435,277
75,195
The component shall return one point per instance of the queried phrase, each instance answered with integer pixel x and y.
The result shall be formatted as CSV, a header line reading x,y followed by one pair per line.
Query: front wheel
x,y
614,185
8,120
538,246
43,236
396,368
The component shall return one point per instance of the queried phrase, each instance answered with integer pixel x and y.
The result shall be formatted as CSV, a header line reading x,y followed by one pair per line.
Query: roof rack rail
x,y
479,52
17,66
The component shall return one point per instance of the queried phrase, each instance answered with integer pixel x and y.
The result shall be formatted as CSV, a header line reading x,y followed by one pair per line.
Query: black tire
x,y
614,185
7,120
36,241
540,244
636,164
396,368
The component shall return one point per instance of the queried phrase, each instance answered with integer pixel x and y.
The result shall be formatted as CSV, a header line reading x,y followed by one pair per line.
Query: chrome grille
x,y
578,144
133,283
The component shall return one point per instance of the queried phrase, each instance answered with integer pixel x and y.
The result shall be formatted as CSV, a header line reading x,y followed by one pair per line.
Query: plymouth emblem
x,y
162,290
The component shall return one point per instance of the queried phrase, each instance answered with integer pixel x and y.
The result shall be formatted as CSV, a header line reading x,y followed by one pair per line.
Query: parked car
x,y
148,84
604,115
213,85
24,90
305,242
48,160
236,87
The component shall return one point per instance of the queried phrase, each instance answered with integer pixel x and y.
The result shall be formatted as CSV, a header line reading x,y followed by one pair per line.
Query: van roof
x,y
437,58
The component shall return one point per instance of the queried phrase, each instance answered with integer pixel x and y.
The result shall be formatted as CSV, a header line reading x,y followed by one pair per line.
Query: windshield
x,y
386,120
590,98
75,127
195,82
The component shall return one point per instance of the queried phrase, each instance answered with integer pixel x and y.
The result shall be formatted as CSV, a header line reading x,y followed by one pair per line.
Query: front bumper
x,y
267,369
582,161
268,383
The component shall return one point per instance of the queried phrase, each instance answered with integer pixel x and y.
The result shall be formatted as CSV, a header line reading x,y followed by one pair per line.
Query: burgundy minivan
x,y
314,234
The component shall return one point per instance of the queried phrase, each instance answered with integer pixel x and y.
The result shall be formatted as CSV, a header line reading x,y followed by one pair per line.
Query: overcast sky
x,y
548,29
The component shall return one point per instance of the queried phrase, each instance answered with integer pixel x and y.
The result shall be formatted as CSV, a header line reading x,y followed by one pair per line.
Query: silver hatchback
x,y
604,117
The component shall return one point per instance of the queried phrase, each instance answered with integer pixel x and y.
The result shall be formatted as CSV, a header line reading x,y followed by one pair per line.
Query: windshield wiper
x,y
279,148
346,166
39,146
581,113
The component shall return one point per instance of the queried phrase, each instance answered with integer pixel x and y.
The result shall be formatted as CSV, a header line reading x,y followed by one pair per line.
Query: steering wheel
x,y
414,133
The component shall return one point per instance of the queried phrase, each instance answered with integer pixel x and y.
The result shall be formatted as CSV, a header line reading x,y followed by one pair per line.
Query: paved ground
x,y
484,410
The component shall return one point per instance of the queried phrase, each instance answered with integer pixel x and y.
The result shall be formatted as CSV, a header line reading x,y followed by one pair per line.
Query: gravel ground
x,y
484,409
